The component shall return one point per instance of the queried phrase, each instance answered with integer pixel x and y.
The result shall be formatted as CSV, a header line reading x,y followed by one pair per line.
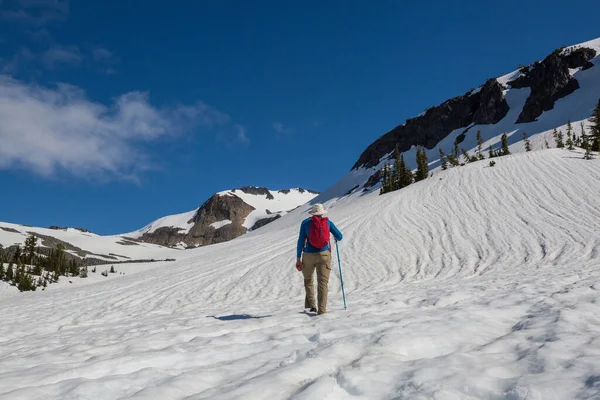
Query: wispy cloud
x,y
104,56
36,13
241,137
52,130
22,59
281,129
52,58
58,55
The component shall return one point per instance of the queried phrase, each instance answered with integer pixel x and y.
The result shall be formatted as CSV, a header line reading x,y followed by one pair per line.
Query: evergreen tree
x,y
479,146
17,255
560,144
467,156
527,142
9,275
570,137
555,136
18,273
37,269
406,176
546,143
1,271
455,152
585,144
491,152
381,191
454,162
112,269
73,268
595,128
29,250
505,150
443,161
397,170
422,165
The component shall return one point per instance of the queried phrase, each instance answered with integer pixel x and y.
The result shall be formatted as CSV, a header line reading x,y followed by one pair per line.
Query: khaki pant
x,y
321,262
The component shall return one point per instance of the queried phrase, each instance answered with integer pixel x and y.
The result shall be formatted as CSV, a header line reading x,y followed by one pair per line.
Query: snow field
x,y
478,283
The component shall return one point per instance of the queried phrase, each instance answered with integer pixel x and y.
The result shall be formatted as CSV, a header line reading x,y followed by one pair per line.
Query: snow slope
x,y
577,107
479,283
109,248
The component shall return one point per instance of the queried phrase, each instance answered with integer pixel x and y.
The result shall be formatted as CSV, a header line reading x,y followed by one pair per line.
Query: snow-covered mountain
x,y
533,99
84,245
480,283
225,216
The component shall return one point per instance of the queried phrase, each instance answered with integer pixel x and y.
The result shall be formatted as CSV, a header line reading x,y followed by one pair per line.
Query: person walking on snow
x,y
314,242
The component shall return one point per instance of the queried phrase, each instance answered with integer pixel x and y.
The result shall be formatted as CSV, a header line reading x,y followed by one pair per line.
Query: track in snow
x,y
477,283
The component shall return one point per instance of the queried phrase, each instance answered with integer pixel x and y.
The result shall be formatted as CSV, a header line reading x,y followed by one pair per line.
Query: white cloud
x,y
281,129
51,130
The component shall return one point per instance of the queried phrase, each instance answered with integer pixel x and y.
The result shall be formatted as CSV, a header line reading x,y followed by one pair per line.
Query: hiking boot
x,y
313,310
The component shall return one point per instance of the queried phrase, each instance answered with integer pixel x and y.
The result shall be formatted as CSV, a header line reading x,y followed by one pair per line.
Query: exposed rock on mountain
x,y
484,106
225,216
549,80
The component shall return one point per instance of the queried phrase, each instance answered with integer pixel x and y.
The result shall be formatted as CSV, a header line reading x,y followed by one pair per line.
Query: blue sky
x,y
115,113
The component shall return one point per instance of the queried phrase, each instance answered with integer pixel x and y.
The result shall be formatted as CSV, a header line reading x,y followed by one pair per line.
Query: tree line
x,y
27,269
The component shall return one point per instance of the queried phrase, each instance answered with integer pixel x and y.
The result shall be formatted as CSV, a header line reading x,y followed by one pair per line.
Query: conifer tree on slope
x,y
560,144
595,128
467,156
29,250
397,170
422,165
505,150
443,161
406,175
527,142
9,275
585,144
381,191
570,137
479,146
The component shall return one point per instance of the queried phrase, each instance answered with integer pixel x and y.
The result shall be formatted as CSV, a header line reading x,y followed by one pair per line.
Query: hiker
x,y
314,241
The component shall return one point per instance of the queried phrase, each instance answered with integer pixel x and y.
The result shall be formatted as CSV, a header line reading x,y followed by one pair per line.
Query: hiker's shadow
x,y
236,317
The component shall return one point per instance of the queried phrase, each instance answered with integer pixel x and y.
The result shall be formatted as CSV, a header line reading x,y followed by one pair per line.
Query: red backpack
x,y
318,235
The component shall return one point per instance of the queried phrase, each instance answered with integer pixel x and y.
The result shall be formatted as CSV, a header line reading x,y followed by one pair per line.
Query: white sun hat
x,y
317,209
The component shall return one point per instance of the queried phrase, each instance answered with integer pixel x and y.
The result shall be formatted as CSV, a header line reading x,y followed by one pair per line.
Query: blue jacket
x,y
303,238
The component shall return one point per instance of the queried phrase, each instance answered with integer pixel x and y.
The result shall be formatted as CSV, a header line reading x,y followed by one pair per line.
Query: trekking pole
x,y
341,279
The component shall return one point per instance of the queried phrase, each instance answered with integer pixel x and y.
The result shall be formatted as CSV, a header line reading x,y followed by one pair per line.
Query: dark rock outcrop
x,y
550,80
64,228
487,106
256,191
374,179
264,221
